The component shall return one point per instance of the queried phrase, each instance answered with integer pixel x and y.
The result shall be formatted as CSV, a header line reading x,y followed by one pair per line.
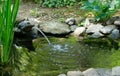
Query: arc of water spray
x,y
43,34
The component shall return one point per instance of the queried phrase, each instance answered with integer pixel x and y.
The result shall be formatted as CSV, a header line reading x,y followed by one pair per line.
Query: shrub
x,y
102,9
58,3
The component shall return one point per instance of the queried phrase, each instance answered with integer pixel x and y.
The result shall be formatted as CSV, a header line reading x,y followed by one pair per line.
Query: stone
x,y
70,21
104,72
112,20
79,31
79,20
117,22
114,34
107,29
62,75
116,71
93,31
55,28
73,27
94,28
90,72
87,23
26,27
74,73
96,35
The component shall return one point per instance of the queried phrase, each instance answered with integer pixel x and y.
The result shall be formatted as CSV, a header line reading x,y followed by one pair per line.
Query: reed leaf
x,y
7,16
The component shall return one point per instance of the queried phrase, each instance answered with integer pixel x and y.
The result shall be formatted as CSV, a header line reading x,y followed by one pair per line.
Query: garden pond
x,y
66,54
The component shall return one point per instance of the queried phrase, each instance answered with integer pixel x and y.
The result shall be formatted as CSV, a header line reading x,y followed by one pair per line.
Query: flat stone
x,y
90,72
54,27
79,31
116,71
74,73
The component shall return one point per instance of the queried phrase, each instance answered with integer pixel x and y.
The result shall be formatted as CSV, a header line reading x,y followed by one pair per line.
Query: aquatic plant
x,y
8,12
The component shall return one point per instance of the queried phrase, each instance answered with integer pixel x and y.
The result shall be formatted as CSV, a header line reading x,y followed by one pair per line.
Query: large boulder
x,y
54,27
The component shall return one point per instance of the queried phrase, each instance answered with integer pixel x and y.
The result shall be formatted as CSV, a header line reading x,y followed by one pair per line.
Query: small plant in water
x,y
102,9
8,12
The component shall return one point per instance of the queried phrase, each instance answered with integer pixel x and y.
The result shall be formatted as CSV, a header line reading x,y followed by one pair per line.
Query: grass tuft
x,y
8,12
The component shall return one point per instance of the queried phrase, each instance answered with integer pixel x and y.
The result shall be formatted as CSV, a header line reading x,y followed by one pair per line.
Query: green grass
x,y
8,12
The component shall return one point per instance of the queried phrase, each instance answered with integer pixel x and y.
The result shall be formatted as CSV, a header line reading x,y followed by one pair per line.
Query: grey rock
x,y
96,35
116,71
79,20
87,23
104,72
73,27
79,31
117,22
114,34
94,30
107,29
62,75
90,72
70,21
54,27
74,73
112,20
26,27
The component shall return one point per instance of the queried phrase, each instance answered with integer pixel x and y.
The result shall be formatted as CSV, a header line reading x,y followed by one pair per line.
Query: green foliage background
x,y
55,3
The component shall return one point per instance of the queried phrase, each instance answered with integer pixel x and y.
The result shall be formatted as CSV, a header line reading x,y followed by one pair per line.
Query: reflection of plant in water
x,y
7,19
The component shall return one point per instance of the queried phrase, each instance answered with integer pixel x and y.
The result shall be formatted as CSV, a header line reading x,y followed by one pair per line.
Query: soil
x,y
30,9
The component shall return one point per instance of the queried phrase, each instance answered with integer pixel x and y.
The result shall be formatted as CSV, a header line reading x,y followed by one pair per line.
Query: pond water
x,y
65,54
